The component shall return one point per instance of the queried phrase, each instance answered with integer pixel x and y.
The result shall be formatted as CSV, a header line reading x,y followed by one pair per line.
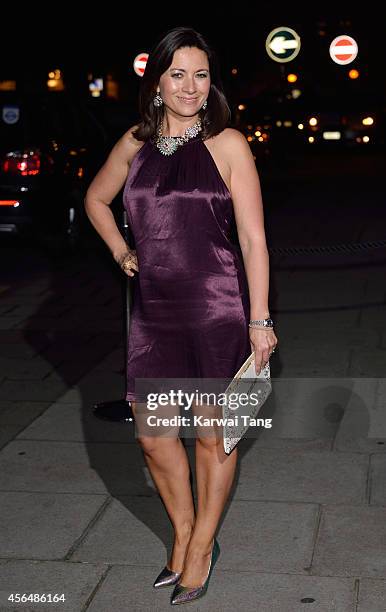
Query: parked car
x,y
50,147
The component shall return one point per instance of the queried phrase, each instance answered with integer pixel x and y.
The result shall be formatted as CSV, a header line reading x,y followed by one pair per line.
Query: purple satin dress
x,y
190,308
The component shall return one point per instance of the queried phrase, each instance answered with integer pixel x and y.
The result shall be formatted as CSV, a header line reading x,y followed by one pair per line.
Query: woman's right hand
x,y
129,262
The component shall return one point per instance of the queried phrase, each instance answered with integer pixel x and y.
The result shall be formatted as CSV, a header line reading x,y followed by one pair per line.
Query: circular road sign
x,y
139,63
282,44
343,49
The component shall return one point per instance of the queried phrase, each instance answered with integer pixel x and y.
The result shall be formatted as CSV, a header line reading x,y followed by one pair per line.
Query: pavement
x,y
305,525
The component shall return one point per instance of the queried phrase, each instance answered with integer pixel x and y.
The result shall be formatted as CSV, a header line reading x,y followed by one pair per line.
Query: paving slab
x,y
303,475
132,530
268,536
363,423
377,480
365,361
227,591
304,525
372,595
24,369
75,581
321,408
345,335
301,361
23,390
261,536
351,542
71,467
92,389
75,422
44,525
377,316
21,413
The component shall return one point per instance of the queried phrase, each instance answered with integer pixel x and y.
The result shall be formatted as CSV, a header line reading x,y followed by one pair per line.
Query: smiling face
x,y
185,85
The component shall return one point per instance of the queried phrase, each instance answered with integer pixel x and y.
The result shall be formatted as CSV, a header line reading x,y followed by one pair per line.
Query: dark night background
x,y
103,40
106,39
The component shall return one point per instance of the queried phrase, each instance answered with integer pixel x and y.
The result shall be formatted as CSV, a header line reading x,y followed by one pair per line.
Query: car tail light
x,y
22,163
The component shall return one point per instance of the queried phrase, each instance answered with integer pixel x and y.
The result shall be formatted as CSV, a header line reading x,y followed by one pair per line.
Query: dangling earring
x,y
204,105
157,100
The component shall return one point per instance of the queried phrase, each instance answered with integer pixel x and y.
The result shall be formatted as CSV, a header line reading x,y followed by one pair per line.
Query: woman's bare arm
x,y
248,208
105,186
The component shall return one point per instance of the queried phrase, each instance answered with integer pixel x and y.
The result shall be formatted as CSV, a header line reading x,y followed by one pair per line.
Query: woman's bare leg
x,y
168,464
215,472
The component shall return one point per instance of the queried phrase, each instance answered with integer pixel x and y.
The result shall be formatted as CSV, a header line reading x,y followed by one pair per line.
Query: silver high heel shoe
x,y
182,594
166,578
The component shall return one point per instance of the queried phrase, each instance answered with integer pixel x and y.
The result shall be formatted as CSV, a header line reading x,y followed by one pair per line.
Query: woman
x,y
185,173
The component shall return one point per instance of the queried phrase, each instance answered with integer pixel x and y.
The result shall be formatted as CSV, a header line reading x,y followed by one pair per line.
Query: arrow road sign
x,y
282,44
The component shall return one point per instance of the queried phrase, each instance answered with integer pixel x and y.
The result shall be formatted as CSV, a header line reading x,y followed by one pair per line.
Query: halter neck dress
x,y
190,301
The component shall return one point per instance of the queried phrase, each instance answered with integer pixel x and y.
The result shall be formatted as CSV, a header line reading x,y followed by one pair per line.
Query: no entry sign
x,y
139,63
343,49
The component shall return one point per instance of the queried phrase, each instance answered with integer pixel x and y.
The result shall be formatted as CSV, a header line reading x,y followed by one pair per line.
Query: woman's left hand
x,y
263,341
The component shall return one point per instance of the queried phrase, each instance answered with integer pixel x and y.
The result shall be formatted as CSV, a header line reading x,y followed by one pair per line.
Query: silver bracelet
x,y
261,323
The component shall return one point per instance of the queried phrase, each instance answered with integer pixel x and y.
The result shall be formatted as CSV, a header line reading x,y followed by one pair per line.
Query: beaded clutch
x,y
257,388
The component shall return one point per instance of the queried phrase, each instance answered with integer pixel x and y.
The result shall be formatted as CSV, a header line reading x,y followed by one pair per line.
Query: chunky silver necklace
x,y
169,144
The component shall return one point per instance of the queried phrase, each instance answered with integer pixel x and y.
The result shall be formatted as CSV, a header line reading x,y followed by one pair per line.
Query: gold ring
x,y
126,264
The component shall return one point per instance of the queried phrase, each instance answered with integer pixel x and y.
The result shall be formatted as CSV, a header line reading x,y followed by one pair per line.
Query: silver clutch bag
x,y
257,387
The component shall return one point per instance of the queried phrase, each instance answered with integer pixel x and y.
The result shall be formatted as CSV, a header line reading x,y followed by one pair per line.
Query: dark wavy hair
x,y
217,114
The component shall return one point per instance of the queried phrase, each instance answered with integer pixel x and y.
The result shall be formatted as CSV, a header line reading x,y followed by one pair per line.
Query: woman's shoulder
x,y
231,144
128,146
231,136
